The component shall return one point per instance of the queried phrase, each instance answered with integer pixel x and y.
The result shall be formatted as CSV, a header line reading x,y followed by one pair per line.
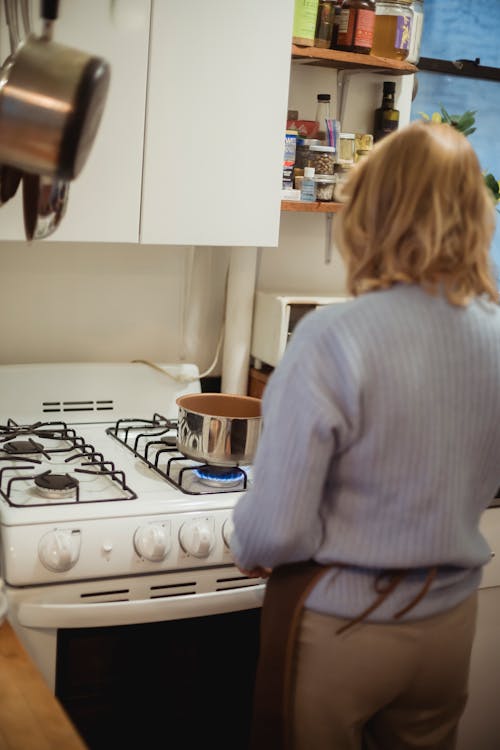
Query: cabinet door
x,y
104,200
215,121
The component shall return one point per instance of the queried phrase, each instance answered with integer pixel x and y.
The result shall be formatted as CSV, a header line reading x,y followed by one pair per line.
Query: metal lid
x,y
327,149
325,178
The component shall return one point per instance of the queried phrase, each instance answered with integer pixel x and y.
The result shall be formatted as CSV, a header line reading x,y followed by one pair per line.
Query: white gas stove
x,y
102,520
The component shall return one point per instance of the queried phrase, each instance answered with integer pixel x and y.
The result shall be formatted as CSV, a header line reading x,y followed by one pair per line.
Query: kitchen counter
x,y
30,716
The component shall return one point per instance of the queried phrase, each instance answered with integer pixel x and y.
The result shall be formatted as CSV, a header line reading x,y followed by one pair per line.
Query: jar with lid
x,y
302,154
417,25
325,23
323,159
392,32
356,25
324,186
347,148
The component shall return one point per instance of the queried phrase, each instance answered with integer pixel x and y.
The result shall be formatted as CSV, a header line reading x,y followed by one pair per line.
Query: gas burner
x,y
219,476
18,447
56,486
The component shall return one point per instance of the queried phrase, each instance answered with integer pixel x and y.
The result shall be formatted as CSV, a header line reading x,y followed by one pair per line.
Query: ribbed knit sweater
x,y
380,449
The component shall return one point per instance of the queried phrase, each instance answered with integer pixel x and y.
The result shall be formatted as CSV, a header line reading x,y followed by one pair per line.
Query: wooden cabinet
x,y
216,114
257,381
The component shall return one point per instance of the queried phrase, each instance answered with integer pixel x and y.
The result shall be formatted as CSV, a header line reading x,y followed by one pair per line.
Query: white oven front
x,y
123,655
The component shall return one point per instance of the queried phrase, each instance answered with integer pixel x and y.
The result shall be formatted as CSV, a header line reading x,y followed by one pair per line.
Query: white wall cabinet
x,y
104,201
216,116
190,148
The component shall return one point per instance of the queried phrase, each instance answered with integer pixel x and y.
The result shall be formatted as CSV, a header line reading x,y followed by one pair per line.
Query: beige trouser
x,y
382,686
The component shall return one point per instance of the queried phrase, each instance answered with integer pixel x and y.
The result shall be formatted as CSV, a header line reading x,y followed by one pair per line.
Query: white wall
x,y
90,302
117,302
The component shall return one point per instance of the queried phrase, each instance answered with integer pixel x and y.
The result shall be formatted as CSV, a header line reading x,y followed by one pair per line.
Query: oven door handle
x,y
102,614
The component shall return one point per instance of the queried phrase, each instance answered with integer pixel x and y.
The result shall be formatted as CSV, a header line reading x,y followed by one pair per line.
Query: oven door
x,y
129,672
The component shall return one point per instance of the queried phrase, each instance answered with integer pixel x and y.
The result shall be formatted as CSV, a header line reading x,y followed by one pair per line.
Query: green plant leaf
x,y
492,184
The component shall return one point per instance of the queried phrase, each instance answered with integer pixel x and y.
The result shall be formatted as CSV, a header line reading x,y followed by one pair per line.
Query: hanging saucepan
x,y
51,103
44,198
219,429
10,177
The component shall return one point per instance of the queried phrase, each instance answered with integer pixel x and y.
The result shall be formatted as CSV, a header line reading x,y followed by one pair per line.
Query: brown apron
x,y
286,592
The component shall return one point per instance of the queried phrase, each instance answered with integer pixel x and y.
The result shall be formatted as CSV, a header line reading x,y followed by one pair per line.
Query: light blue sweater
x,y
380,449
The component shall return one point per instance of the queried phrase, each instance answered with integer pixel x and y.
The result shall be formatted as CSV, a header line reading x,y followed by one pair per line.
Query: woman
x,y
380,450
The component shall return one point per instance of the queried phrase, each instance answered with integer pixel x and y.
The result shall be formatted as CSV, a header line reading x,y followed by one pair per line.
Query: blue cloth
x,y
380,449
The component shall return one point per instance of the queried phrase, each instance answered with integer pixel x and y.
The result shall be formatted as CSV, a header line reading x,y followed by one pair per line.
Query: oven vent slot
x,y
60,407
236,582
117,595
172,589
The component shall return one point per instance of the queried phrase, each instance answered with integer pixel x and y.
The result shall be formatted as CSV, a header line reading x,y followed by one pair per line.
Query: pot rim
x,y
249,401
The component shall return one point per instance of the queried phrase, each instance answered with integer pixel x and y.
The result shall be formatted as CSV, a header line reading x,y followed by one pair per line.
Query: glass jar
x,y
324,186
392,32
417,25
325,23
342,172
356,24
347,148
303,155
323,159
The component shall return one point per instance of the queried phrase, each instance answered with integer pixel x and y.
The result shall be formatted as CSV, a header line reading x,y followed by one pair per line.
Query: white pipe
x,y
239,314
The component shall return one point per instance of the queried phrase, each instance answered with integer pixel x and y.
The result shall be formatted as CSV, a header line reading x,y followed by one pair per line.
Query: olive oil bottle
x,y
386,116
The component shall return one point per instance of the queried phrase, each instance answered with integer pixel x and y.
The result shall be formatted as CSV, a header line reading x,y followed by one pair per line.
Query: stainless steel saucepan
x,y
219,429
51,102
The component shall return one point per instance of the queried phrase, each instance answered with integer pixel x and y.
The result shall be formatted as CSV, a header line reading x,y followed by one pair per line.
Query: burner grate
x,y
21,487
152,440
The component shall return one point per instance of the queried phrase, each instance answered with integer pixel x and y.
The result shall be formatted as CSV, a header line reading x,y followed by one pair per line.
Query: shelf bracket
x,y
343,80
328,238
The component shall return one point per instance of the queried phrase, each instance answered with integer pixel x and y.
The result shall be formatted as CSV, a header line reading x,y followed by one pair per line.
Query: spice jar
x,y
325,23
356,24
346,148
392,32
302,153
304,22
323,159
324,184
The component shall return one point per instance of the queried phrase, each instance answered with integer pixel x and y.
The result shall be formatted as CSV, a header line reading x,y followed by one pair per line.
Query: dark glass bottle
x,y
356,24
386,116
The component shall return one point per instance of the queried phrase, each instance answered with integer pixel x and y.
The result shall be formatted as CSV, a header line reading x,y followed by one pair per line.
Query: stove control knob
x,y
152,541
197,537
227,531
59,549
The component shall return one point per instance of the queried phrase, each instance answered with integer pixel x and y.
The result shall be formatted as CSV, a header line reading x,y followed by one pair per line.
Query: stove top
x,y
91,483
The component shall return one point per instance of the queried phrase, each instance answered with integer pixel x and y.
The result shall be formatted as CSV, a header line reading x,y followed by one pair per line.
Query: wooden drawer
x,y
257,380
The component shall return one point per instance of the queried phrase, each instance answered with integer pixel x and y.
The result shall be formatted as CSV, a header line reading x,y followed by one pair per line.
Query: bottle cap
x,y
389,87
324,97
309,173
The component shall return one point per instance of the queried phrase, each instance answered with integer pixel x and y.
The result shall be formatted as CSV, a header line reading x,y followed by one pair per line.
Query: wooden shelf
x,y
318,207
330,58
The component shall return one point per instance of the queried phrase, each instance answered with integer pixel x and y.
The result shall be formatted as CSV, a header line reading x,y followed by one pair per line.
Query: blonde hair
x,y
418,211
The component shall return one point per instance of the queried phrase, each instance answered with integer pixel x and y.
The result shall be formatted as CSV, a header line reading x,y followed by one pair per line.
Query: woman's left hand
x,y
257,572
